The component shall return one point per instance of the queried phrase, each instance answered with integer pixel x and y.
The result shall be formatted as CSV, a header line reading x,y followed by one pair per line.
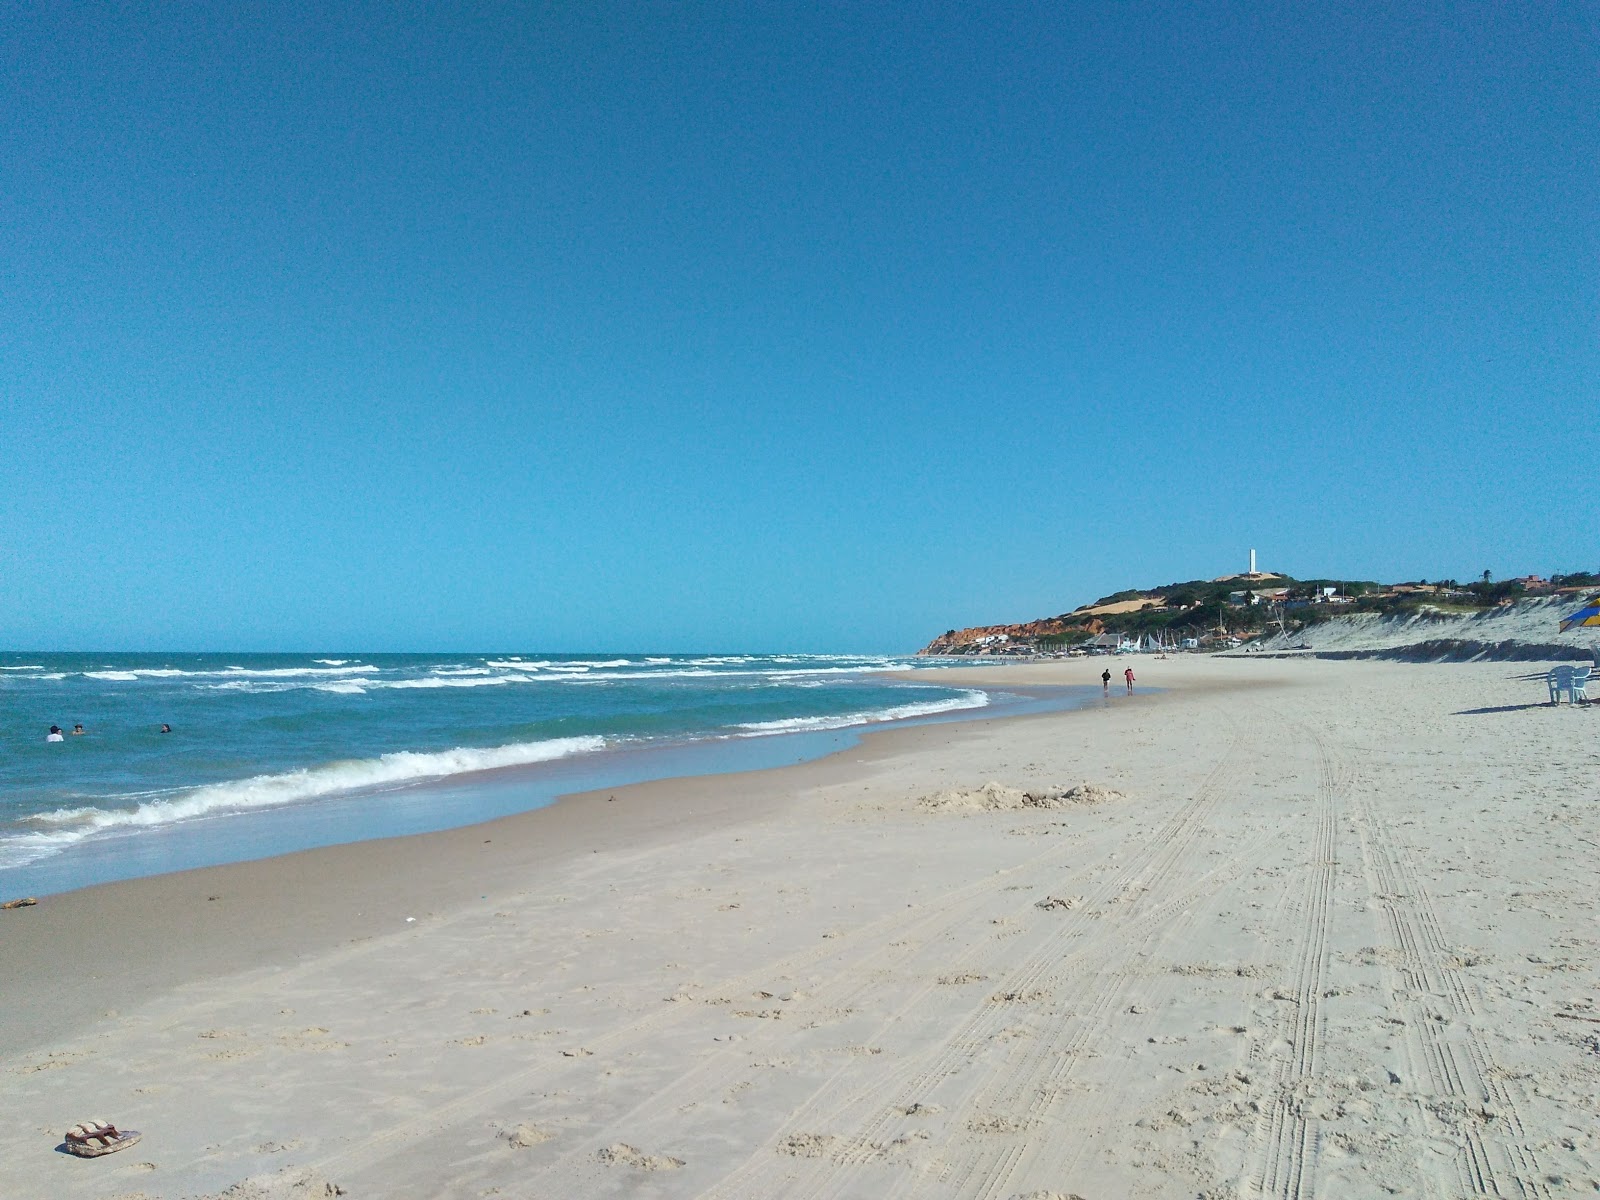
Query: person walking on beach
x,y
1128,675
1105,682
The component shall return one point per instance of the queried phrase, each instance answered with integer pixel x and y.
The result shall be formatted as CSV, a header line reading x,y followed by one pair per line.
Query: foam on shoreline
x,y
54,831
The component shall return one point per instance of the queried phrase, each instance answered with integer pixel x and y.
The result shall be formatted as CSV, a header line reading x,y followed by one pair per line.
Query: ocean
x,y
270,753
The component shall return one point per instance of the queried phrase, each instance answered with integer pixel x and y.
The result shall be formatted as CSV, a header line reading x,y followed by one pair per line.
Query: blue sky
x,y
777,326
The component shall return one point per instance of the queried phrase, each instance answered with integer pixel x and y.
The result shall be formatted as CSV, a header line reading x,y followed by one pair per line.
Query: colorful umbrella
x,y
1584,616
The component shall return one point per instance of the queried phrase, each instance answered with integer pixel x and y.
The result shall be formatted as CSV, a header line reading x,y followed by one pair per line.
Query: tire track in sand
x,y
878,1105
1285,1135
863,942
849,982
1474,1092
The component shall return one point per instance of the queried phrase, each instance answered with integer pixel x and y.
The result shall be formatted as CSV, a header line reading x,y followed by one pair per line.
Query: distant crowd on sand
x,y
55,734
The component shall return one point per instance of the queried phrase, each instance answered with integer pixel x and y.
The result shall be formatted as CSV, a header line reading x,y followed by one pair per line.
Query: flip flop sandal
x,y
94,1138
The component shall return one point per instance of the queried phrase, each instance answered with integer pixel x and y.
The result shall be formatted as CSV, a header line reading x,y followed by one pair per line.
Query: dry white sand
x,y
1335,936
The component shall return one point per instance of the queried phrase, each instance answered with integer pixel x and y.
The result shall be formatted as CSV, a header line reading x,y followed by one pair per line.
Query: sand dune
x,y
1528,631
1316,929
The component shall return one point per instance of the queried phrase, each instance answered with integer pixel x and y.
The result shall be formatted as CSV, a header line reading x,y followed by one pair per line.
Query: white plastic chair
x,y
1560,680
1578,688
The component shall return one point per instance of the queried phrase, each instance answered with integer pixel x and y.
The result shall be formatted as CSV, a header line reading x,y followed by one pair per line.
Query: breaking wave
x,y
900,712
136,673
54,831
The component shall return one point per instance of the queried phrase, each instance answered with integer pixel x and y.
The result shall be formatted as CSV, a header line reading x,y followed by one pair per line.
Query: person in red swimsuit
x,y
1128,675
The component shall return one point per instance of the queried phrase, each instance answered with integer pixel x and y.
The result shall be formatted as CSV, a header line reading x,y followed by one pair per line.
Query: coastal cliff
x,y
1004,639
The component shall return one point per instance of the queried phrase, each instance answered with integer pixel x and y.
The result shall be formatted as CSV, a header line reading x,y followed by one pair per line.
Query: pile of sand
x,y
997,797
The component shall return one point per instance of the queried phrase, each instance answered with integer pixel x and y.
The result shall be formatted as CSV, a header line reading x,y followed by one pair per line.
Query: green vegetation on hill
x,y
1203,604
1246,606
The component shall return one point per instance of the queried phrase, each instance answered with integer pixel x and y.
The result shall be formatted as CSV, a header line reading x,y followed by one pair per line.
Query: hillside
x,y
984,639
1525,630
1283,613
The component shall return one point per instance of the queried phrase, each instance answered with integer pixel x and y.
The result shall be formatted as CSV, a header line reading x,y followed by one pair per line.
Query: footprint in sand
x,y
806,1145
996,1124
238,1052
50,1062
1028,997
525,1135
628,1156
314,1038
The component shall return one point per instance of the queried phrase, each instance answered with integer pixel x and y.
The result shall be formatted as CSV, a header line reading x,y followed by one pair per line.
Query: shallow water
x,y
277,752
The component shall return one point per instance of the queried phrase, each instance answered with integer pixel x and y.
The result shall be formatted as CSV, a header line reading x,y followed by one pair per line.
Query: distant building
x,y
1255,596
1120,643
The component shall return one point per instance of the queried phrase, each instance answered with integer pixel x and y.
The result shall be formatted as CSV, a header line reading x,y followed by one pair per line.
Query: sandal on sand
x,y
94,1138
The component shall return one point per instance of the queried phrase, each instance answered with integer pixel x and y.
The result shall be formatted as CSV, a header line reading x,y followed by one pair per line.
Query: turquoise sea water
x,y
275,752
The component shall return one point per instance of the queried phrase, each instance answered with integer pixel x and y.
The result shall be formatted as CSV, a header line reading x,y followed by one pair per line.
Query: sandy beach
x,y
1314,929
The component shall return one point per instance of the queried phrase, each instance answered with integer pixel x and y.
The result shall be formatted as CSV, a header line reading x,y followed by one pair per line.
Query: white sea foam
x,y
586,676
36,667
692,672
289,672
900,712
447,681
331,662
65,826
364,684
230,673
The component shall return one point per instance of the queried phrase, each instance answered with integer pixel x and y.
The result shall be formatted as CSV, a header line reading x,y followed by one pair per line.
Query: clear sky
x,y
817,327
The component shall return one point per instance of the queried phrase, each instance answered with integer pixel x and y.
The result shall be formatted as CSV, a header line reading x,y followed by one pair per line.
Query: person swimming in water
x,y
54,735
166,729
78,730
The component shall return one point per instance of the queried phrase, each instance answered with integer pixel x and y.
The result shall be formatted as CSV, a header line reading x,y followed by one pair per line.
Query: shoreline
x,y
803,978
281,907
463,798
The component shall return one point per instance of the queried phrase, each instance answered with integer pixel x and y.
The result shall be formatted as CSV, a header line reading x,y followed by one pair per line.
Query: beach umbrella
x,y
1589,615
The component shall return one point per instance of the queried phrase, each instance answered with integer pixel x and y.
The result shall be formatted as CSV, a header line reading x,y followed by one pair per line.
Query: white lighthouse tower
x,y
1252,560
